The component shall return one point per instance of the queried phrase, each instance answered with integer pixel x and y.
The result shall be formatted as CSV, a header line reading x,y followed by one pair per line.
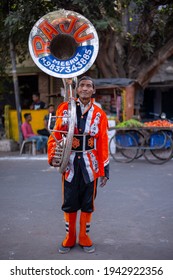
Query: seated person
x,y
44,131
41,141
37,103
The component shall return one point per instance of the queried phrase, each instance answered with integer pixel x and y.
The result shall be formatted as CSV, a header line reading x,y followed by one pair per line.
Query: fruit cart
x,y
153,143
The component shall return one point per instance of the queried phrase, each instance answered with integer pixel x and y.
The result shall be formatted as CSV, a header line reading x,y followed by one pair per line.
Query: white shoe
x,y
64,250
89,249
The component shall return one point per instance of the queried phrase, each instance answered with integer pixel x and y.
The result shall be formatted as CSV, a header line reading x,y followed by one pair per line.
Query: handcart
x,y
155,144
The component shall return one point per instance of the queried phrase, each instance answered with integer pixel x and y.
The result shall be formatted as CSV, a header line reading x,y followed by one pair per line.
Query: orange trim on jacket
x,y
96,126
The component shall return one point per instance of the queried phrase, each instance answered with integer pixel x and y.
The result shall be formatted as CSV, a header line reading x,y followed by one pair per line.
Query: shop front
x,y
117,97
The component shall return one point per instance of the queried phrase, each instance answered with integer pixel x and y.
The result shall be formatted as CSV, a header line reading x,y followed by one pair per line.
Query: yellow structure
x,y
11,122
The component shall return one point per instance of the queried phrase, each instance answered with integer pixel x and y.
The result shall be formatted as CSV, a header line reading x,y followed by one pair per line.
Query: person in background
x,y
27,131
89,160
37,103
44,131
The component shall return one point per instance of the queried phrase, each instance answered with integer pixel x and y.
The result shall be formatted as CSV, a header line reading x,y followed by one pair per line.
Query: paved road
x,y
133,217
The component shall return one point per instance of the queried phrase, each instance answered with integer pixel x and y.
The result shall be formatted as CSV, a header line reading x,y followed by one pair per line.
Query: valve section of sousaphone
x,y
63,44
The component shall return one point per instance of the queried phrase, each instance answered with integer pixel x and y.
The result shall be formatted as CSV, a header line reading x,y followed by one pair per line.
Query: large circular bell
x,y
63,44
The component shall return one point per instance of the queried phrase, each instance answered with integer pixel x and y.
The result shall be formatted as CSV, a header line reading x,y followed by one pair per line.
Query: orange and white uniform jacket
x,y
92,122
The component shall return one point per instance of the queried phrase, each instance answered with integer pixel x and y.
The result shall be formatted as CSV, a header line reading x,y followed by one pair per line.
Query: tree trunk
x,y
16,90
108,60
149,69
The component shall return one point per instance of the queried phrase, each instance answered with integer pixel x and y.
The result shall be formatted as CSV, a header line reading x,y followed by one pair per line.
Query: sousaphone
x,y
64,44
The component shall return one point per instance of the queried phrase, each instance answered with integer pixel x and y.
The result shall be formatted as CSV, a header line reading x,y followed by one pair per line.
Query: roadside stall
x,y
133,139
116,97
130,139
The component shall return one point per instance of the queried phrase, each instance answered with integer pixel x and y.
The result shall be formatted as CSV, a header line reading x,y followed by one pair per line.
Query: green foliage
x,y
150,24
101,13
18,17
141,25
130,123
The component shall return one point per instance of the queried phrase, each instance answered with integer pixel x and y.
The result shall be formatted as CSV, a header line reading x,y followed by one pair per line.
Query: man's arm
x,y
46,118
103,147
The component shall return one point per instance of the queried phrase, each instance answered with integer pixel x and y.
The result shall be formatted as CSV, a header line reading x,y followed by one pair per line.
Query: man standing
x,y
37,104
88,161
41,141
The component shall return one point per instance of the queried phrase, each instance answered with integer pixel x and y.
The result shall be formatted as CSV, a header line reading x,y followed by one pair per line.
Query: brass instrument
x,y
64,44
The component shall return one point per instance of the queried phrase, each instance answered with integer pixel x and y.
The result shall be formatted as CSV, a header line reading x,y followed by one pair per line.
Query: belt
x,y
82,143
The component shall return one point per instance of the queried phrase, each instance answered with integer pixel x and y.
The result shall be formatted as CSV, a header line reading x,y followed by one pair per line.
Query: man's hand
x,y
54,162
103,181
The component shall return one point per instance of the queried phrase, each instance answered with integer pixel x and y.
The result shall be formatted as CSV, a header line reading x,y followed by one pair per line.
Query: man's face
x,y
29,118
35,98
51,109
85,89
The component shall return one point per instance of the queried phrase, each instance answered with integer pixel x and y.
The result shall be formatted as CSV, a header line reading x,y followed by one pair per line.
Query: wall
x,y
37,121
43,86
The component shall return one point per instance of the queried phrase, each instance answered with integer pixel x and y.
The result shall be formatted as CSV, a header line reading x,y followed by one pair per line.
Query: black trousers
x,y
77,195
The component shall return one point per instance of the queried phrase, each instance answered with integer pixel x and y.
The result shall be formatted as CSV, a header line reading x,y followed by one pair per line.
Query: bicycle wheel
x,y
123,147
166,152
140,139
161,148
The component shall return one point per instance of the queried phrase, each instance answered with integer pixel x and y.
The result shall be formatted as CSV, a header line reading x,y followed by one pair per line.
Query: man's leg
x,y
70,208
85,220
70,239
38,141
84,239
44,140
86,215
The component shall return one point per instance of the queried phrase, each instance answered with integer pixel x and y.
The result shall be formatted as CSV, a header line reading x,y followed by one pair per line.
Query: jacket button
x,y
78,157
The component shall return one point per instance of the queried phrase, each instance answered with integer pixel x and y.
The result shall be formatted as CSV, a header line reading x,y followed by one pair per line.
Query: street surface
x,y
133,219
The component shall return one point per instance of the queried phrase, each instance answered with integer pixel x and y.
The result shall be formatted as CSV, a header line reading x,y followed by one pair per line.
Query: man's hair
x,y
51,105
27,115
84,78
36,94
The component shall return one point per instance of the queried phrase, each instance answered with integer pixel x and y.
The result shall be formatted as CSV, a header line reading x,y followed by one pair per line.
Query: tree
x,y
16,17
135,36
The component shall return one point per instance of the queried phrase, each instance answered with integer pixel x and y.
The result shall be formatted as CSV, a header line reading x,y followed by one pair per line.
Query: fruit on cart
x,y
130,123
158,123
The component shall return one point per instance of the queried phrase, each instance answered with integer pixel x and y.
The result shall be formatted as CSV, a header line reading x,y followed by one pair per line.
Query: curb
x,y
18,157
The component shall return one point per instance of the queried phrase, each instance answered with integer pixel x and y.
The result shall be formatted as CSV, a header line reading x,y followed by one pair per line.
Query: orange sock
x,y
70,220
84,239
